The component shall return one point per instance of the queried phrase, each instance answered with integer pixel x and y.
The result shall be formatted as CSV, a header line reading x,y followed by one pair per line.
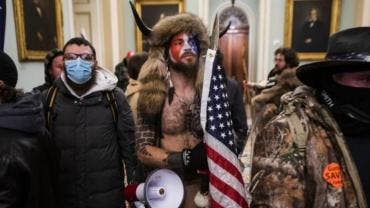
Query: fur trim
x,y
285,82
172,25
266,104
155,64
163,31
152,97
201,200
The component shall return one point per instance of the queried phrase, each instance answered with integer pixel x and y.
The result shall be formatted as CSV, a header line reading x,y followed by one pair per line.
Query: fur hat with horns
x,y
161,34
153,73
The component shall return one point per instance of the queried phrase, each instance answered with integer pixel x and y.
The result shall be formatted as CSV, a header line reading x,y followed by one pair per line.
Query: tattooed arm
x,y
147,149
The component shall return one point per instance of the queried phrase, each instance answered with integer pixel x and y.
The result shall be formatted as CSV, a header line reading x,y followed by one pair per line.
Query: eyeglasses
x,y
74,56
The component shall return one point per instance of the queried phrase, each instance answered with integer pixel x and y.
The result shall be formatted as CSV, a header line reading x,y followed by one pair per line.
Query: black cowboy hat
x,y
348,50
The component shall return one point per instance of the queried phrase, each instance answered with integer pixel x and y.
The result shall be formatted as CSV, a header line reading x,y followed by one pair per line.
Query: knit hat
x,y
48,61
8,70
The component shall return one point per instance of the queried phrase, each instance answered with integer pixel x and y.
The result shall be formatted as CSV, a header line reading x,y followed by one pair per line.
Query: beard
x,y
81,88
189,70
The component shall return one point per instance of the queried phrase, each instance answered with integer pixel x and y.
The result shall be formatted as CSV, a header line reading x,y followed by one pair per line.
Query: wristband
x,y
186,156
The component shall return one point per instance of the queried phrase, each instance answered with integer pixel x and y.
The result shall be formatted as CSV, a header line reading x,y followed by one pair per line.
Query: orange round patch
x,y
333,175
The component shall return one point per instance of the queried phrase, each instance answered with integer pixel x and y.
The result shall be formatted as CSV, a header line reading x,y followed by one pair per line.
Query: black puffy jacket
x,y
28,157
93,147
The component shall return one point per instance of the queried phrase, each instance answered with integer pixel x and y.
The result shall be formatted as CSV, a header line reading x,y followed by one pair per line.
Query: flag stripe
x,y
226,183
214,204
231,180
226,199
231,164
225,175
228,190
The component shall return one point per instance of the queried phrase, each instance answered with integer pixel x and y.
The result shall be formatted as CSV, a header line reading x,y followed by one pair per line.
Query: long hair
x,y
290,55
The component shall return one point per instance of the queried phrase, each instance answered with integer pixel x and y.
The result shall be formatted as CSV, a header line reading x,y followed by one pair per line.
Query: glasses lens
x,y
84,56
70,56
87,56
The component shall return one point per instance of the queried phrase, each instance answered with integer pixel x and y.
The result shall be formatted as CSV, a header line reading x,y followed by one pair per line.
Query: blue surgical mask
x,y
79,71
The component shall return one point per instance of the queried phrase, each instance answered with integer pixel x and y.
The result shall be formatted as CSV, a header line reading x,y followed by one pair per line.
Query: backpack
x,y
51,96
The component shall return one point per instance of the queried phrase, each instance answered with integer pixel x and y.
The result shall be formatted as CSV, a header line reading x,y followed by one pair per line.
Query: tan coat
x,y
132,95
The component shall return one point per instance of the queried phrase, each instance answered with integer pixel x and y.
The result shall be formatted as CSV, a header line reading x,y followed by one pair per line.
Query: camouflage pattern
x,y
300,159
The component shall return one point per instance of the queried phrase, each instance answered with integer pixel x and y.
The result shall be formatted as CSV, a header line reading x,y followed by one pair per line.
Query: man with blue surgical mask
x,y
92,124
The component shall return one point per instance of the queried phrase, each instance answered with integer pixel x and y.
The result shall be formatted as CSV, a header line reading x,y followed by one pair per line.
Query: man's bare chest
x,y
174,116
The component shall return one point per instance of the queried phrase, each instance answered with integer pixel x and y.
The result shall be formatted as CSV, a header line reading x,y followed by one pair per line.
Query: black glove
x,y
196,158
204,183
191,159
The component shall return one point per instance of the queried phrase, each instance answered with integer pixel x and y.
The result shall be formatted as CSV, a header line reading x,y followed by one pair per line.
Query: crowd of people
x,y
86,133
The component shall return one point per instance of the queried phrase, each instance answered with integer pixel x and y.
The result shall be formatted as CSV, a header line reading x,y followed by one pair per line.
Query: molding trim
x,y
203,10
68,19
252,20
114,32
263,41
365,13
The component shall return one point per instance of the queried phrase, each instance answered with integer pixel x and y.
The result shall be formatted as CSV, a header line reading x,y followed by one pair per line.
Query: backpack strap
x,y
111,97
50,100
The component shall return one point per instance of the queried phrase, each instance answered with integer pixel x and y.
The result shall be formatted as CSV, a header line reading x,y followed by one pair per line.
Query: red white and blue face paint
x,y
183,48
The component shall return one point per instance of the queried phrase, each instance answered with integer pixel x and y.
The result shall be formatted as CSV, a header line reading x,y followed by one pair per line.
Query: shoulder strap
x,y
111,97
298,125
50,100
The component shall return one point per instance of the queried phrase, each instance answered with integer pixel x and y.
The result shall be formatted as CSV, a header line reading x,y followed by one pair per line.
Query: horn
x,y
139,22
222,33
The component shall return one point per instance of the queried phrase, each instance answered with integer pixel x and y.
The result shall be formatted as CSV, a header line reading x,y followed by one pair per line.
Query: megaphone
x,y
163,188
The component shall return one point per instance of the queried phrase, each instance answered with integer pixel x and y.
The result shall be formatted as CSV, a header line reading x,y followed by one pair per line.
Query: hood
x,y
26,114
105,81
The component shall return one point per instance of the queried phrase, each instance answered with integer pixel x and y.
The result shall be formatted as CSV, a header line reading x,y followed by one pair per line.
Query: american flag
x,y
226,183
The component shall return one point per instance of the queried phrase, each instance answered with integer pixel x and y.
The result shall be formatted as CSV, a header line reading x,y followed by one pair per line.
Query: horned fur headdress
x,y
164,30
153,73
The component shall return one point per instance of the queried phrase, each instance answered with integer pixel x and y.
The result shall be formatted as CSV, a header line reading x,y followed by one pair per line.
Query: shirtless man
x,y
172,137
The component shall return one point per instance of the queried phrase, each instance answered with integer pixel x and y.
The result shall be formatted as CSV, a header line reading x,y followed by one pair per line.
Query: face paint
x,y
183,48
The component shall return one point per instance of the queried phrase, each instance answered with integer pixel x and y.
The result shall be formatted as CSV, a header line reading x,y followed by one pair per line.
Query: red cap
x,y
129,54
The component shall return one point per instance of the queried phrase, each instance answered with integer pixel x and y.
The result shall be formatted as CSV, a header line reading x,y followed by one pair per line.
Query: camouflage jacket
x,y
300,159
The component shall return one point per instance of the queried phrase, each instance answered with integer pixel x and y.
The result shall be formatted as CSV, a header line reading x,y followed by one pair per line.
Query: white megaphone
x,y
163,188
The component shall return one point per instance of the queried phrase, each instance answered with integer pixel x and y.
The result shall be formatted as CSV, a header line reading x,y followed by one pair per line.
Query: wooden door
x,y
234,47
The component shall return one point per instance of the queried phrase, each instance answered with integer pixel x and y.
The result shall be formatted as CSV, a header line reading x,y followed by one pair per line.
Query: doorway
x,y
234,44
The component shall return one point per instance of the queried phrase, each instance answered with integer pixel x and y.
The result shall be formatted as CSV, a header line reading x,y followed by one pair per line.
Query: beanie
x,y
8,70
